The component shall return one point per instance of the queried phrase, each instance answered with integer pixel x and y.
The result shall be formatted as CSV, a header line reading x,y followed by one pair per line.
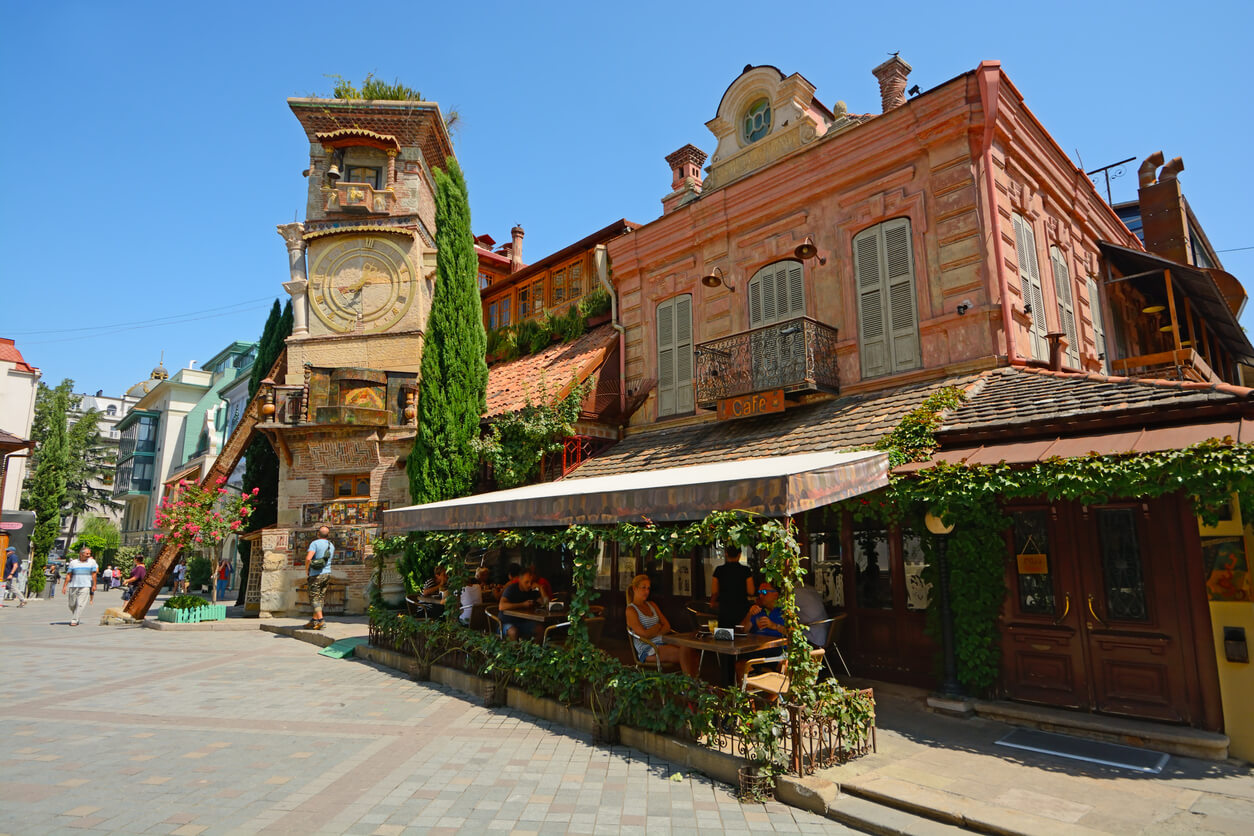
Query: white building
x,y
19,381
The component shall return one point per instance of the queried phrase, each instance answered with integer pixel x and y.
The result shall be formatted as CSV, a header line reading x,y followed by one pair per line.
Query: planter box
x,y
213,612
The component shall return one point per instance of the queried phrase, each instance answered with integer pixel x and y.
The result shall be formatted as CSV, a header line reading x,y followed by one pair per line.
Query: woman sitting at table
x,y
472,594
646,620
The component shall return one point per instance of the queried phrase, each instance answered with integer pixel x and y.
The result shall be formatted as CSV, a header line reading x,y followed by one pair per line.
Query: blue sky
x,y
151,152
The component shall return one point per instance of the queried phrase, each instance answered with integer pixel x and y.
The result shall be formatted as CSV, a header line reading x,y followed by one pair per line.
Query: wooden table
x,y
739,646
541,616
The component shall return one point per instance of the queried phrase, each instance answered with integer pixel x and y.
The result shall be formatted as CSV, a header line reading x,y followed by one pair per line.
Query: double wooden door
x,y
1097,610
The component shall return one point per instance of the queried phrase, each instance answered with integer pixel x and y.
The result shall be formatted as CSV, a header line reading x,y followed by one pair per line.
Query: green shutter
x,y
666,358
1066,310
902,305
1099,326
674,356
888,315
1030,280
872,337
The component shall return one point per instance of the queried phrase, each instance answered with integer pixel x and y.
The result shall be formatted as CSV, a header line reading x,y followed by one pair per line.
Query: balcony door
x,y
777,296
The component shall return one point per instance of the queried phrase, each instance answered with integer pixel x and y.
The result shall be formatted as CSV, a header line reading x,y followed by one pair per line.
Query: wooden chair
x,y
834,626
773,683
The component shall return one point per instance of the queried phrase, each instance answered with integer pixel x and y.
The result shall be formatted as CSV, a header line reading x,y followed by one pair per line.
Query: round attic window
x,y
757,121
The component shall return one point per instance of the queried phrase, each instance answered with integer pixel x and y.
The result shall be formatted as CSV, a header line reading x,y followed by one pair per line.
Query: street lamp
x,y
935,525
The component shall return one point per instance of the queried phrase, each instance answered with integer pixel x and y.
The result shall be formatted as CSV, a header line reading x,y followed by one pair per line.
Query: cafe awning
x,y
775,486
1120,442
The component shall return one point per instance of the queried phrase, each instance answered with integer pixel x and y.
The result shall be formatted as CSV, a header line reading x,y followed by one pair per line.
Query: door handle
x,y
1097,618
1066,608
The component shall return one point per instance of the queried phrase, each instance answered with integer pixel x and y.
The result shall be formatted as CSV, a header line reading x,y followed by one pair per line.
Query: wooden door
x,y
1094,612
1132,613
1042,644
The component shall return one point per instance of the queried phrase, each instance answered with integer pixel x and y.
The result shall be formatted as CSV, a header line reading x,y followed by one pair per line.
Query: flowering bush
x,y
200,516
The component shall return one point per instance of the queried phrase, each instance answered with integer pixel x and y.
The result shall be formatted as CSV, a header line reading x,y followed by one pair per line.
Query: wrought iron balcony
x,y
797,355
358,197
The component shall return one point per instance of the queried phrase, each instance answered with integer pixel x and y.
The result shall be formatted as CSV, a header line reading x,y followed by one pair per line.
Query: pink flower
x,y
158,536
199,539
220,480
256,491
235,525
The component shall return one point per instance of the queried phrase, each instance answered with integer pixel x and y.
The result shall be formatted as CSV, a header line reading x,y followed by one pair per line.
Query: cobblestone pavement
x,y
130,730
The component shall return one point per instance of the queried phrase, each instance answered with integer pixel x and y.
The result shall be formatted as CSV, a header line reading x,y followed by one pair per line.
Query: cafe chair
x,y
478,618
773,684
635,657
556,634
493,614
596,628
834,626
415,607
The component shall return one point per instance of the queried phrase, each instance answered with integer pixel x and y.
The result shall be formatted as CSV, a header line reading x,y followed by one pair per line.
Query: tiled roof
x,y
839,424
10,354
510,384
1012,397
10,442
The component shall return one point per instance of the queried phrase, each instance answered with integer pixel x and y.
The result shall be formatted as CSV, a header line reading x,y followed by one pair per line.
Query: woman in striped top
x,y
645,619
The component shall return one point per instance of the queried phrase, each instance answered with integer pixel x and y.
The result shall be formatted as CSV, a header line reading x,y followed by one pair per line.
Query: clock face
x,y
367,278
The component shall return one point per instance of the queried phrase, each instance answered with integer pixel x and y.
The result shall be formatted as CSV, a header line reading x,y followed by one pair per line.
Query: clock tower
x,y
362,264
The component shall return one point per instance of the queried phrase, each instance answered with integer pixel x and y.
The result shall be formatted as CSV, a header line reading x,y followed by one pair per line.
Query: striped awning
x,y
775,486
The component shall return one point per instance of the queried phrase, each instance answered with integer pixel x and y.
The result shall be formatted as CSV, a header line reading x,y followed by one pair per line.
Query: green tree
x,y
452,392
102,537
45,489
261,465
90,464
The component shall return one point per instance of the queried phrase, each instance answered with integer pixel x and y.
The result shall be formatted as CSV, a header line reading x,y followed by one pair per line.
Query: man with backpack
x,y
318,568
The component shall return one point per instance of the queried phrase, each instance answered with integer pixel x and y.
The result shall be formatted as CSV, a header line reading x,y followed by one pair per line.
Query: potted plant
x,y
190,609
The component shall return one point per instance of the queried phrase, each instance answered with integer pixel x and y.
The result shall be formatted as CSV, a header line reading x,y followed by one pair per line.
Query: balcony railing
x,y
797,355
358,197
1185,364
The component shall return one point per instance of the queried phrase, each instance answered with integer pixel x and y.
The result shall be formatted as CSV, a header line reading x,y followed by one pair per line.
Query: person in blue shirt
x,y
12,572
318,567
765,617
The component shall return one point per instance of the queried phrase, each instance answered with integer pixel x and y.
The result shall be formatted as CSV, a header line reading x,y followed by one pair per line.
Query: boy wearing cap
x,y
13,568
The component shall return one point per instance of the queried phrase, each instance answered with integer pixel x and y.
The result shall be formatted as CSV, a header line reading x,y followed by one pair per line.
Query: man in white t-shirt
x,y
80,581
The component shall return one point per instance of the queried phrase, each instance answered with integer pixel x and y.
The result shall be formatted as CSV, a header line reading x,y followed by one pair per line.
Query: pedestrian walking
x,y
80,583
224,577
12,574
53,574
107,577
318,568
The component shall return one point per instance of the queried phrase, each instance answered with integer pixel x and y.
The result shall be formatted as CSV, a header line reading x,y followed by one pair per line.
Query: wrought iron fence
x,y
795,355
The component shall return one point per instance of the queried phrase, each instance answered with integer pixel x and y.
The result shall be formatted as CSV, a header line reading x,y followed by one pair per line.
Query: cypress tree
x,y
261,465
46,493
452,392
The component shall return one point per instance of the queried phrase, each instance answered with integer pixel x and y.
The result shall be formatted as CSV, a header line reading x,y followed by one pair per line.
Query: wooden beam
x,y
1171,307
1188,320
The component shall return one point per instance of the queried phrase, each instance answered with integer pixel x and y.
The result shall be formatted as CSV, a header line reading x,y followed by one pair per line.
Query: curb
x,y
872,812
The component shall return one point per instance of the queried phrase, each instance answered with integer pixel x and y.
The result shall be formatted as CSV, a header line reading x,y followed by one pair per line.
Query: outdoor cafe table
x,y
739,646
539,615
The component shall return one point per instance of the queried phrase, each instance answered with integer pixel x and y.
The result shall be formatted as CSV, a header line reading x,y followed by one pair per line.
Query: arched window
x,y
1066,310
674,356
888,318
1030,284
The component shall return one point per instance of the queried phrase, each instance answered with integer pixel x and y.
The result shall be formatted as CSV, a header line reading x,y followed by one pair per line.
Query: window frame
x,y
353,480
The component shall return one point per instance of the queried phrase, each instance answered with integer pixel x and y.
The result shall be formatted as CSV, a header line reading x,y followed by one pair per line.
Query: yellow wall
x,y
1236,679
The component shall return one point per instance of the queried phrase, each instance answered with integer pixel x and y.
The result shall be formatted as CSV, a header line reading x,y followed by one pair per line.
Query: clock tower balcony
x,y
358,198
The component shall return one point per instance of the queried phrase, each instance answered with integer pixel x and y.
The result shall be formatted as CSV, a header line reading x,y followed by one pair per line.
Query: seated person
x,y
472,594
520,594
765,618
645,619
436,587
546,588
810,608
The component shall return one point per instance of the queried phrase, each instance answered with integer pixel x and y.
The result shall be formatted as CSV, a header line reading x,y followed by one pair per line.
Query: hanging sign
x,y
746,406
1033,564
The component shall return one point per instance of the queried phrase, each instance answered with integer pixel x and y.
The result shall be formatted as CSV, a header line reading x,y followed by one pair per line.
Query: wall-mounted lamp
x,y
806,250
964,306
1027,309
717,279
1154,309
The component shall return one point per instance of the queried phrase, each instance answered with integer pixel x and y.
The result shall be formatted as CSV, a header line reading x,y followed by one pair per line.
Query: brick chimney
x,y
685,176
515,250
892,78
1164,218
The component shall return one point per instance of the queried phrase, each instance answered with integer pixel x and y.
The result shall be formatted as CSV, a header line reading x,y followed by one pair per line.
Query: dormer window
x,y
757,121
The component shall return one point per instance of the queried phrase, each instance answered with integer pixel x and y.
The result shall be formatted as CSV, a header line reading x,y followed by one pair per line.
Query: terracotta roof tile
x,y
840,424
510,384
10,354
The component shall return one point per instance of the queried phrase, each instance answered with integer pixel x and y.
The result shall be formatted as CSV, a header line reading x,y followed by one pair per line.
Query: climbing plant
x,y
517,442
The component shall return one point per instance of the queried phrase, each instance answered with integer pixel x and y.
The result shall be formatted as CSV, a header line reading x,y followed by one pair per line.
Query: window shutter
x,y
902,305
872,339
1030,277
684,396
666,358
1099,325
1066,310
